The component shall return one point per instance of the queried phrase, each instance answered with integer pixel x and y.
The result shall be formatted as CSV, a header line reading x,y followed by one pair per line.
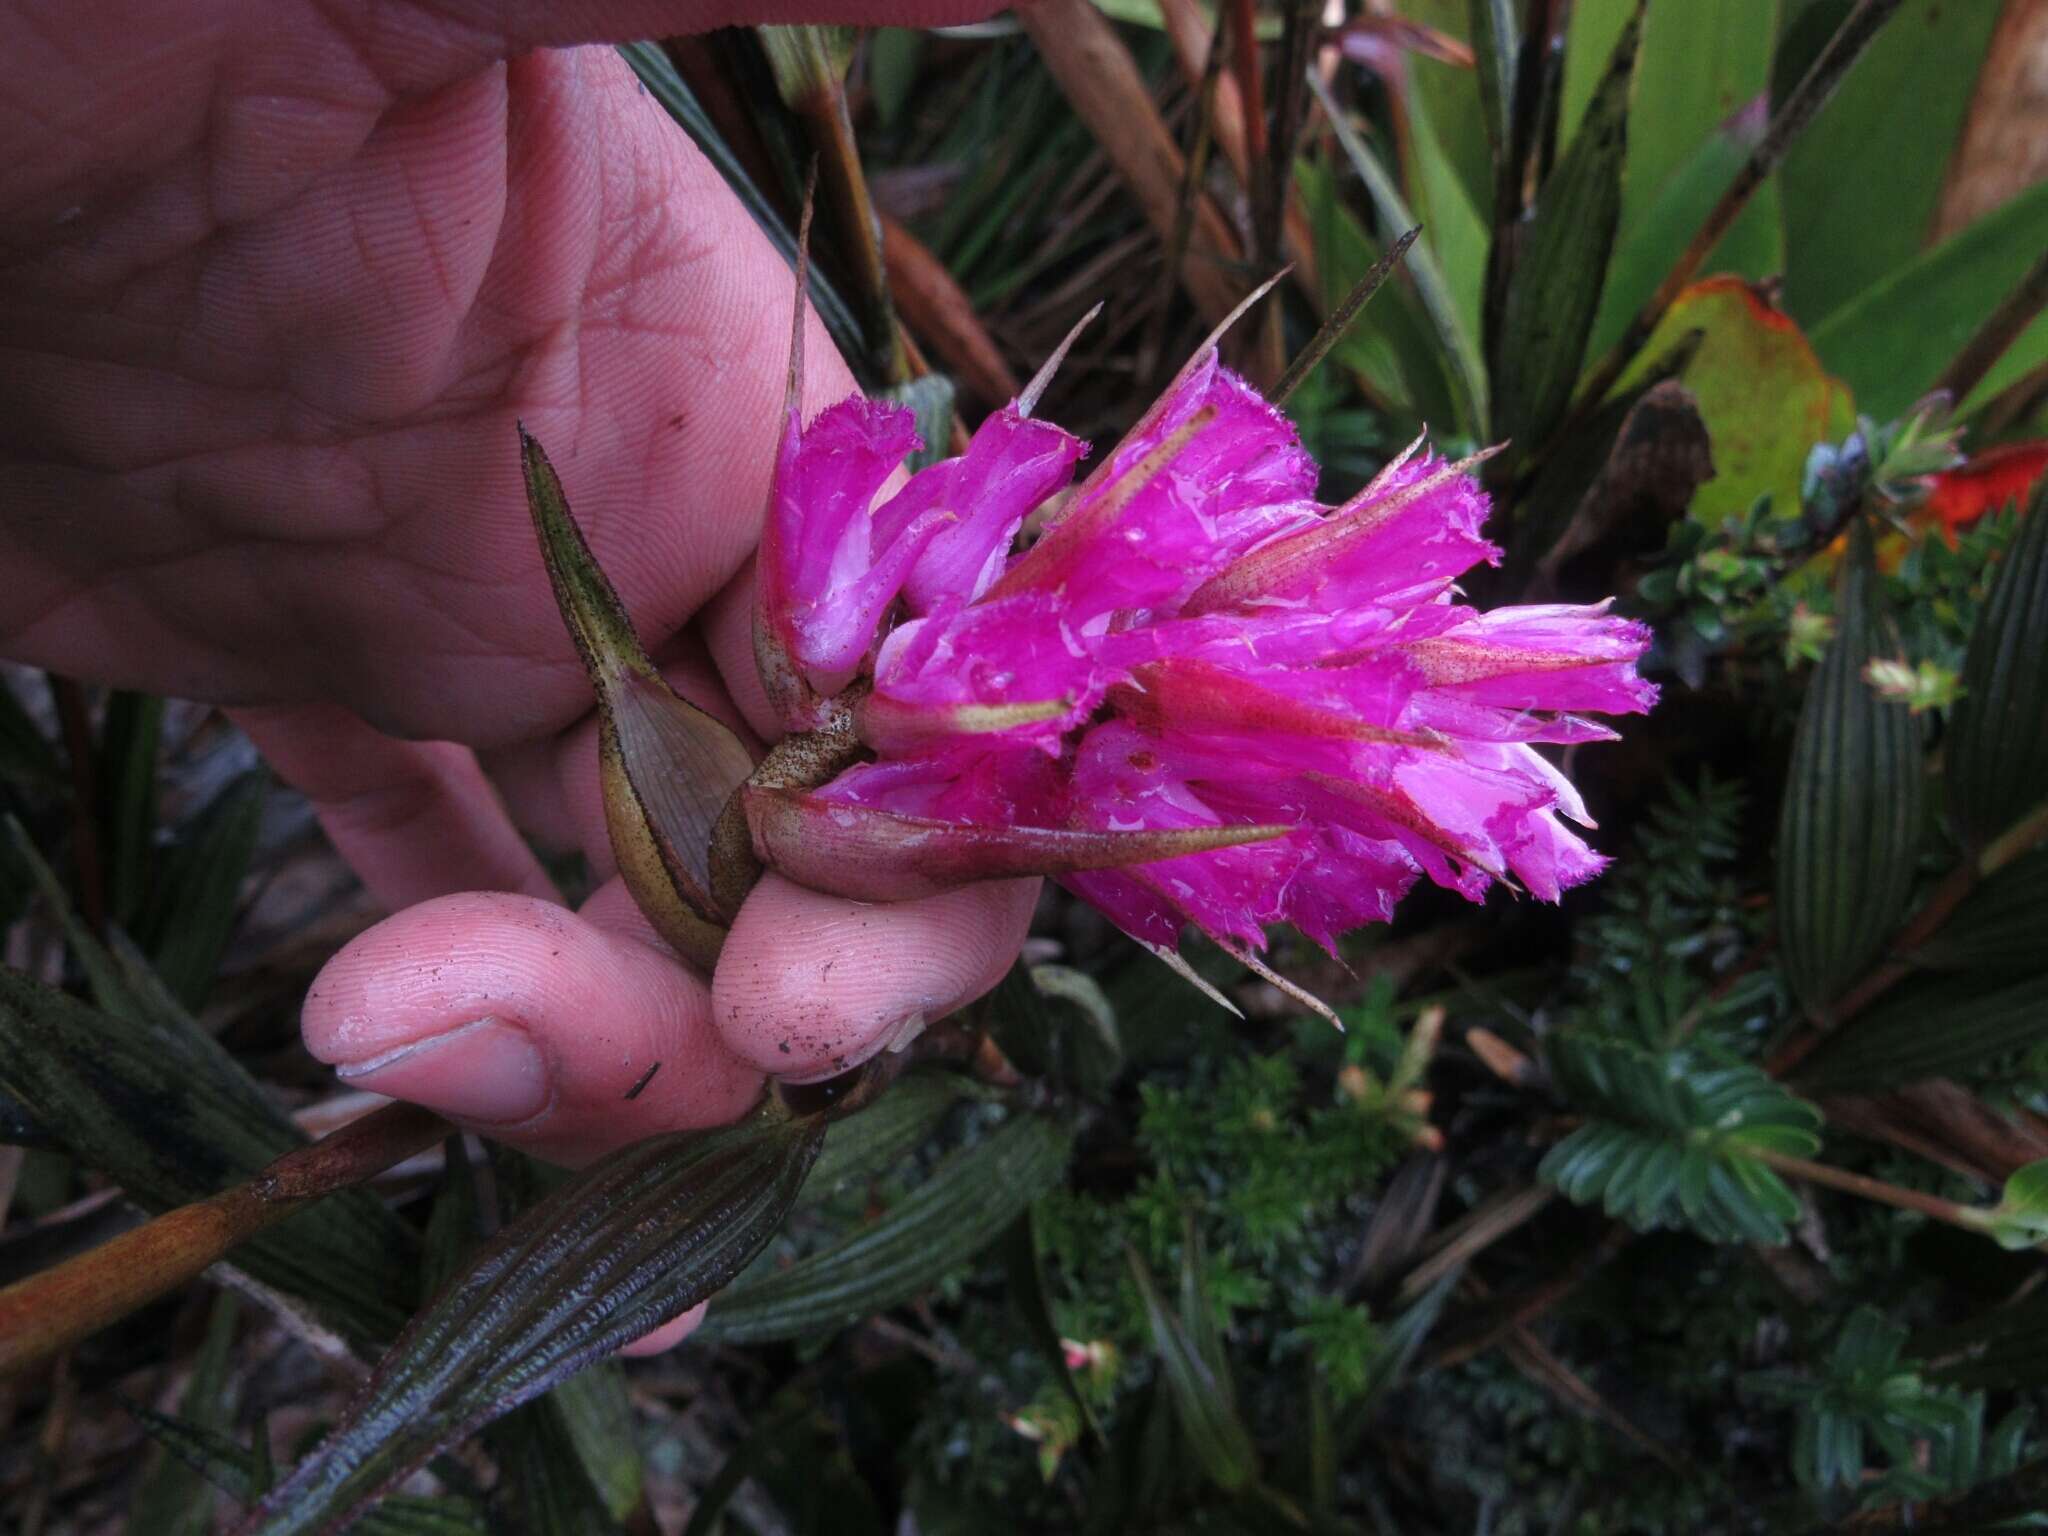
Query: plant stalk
x,y
52,1310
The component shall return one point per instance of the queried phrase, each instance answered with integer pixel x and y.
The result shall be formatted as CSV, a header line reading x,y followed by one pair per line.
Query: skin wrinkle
x,y
317,500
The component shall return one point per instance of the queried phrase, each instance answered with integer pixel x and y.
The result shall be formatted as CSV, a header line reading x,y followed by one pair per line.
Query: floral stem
x,y
1810,1172
49,1311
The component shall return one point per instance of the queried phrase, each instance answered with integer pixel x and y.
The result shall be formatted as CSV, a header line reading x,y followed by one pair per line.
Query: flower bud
x,y
666,768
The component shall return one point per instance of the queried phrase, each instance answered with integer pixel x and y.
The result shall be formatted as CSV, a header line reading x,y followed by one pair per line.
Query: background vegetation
x,y
1707,1201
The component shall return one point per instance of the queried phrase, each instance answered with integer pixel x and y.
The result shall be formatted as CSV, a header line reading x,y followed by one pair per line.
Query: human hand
x,y
279,280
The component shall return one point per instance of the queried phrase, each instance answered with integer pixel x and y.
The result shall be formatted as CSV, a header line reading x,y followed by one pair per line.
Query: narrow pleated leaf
x,y
666,768
1931,1026
630,1242
1997,755
966,1203
1850,829
854,850
140,1093
1562,262
1202,1398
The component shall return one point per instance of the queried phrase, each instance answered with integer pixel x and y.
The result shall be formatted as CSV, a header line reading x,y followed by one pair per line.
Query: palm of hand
x,y
295,427
279,280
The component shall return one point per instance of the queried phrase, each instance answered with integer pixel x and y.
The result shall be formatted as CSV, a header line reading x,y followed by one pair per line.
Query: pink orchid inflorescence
x,y
1198,696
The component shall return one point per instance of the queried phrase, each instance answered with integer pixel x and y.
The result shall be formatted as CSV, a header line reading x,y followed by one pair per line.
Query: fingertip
x,y
812,985
668,1335
546,1029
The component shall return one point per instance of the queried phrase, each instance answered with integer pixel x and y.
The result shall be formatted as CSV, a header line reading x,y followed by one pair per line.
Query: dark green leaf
x,y
1851,823
1997,751
144,1095
244,1475
1203,1400
1561,263
1998,927
544,1479
962,1207
173,1498
1057,1023
1890,342
190,910
1466,370
1027,1295
1860,187
1929,1026
1671,1139
26,756
130,733
931,401
595,1416
628,1243
748,1456
869,1143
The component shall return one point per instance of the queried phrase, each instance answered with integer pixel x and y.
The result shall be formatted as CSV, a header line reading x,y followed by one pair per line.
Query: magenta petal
x,y
818,590
1213,473
833,636
1551,657
997,652
1012,465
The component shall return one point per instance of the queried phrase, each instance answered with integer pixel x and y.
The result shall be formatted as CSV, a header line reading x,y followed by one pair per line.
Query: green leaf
x,y
1850,829
1701,66
131,733
144,1095
1561,264
1672,1138
930,400
26,756
1996,930
1997,753
2020,1219
1861,185
1392,347
1057,1023
1760,389
243,1473
962,1207
595,1419
1027,1296
1465,368
1929,1026
173,1498
873,1140
628,1243
190,911
1199,1385
543,1474
1653,238
1892,340
1457,226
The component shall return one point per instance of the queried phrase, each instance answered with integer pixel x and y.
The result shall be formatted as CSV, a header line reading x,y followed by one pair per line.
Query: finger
x,y
811,985
565,1034
414,819
669,1334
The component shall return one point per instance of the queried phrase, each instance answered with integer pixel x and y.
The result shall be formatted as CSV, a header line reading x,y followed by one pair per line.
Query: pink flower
x,y
1198,697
